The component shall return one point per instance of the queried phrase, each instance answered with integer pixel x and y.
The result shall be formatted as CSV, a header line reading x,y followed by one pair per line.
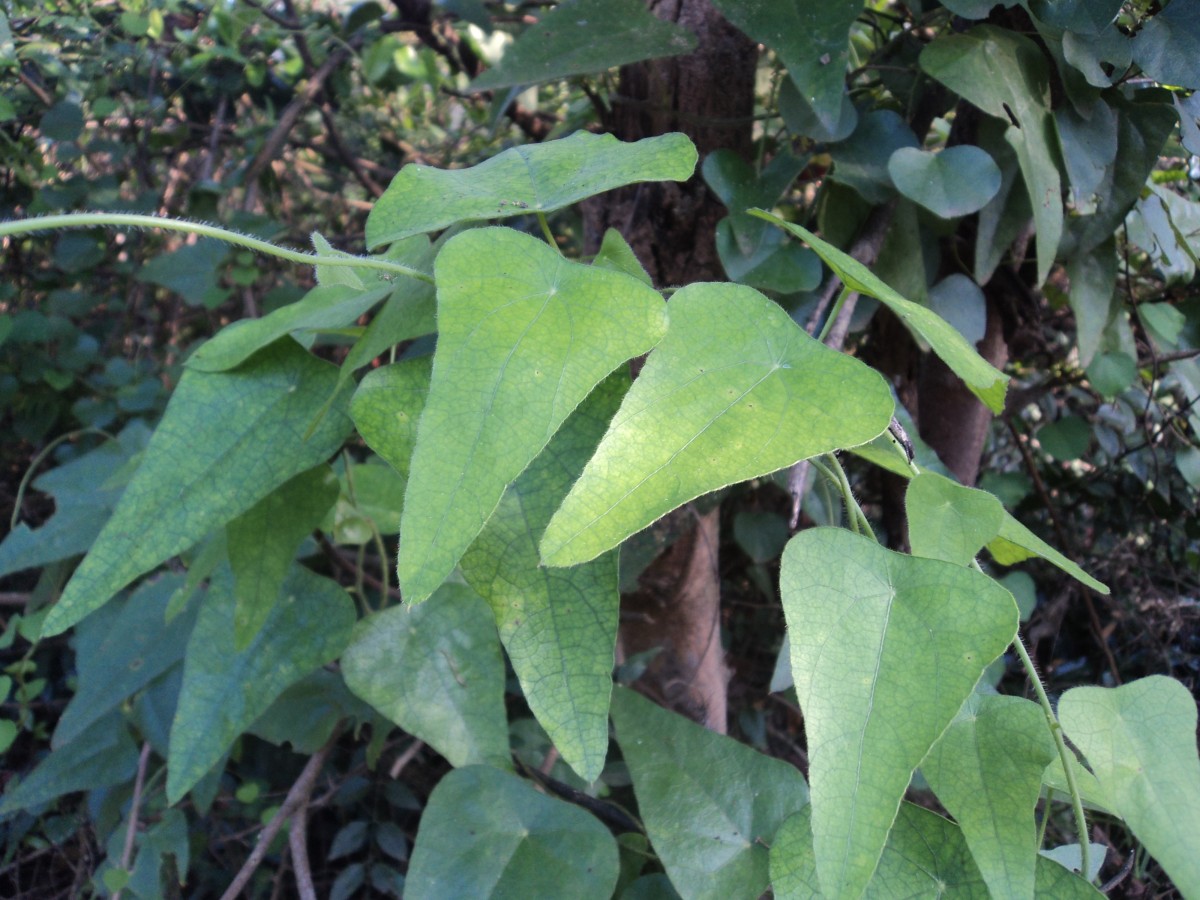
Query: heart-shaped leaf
x,y
955,182
387,406
711,805
528,179
524,336
1140,740
559,626
735,390
885,649
948,521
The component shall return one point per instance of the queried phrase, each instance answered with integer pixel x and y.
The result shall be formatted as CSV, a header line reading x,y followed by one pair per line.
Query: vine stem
x,y
1063,753
16,227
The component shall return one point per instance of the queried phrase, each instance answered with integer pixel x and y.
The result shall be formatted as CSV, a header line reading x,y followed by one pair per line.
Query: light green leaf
x,y
926,856
987,771
386,407
616,254
102,755
813,40
335,275
948,521
1006,75
120,650
205,465
579,37
325,306
985,381
486,834
225,690
1069,857
1015,542
436,671
559,626
711,805
735,390
262,543
524,336
885,649
528,179
956,182
1140,740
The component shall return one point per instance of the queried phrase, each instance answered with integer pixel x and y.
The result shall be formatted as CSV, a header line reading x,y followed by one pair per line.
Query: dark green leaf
x,y
192,271
954,182
862,160
1168,45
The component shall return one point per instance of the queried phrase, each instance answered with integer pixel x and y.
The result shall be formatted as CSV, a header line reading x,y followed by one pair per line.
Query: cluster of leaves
x,y
515,467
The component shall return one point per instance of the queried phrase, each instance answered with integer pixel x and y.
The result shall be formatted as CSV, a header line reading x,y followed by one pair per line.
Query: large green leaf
x,y
711,805
120,650
486,833
523,180
436,671
579,37
735,390
885,648
948,521
386,407
225,689
206,464
1015,542
987,771
524,336
1093,297
812,39
985,381
1007,76
1168,45
955,182
1140,740
262,543
559,626
925,856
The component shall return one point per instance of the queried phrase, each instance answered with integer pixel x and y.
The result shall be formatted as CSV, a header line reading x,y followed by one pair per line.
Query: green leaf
x,y
1167,48
987,771
102,755
885,649
205,465
1015,542
1006,75
616,254
711,805
192,271
386,407
1140,740
861,161
559,626
948,521
925,856
325,306
524,336
263,540
956,182
225,690
812,40
985,381
959,300
735,390
1082,16
1093,297
579,37
306,714
436,671
802,121
1065,439
486,833
120,650
529,179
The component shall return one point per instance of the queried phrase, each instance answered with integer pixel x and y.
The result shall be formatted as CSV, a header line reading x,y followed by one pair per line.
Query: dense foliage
x,y
314,576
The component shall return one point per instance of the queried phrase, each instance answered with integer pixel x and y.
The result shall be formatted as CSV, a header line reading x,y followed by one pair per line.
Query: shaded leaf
x,y
205,465
985,381
1140,740
1093,297
559,626
1015,542
528,179
735,390
487,833
915,635
987,771
579,37
955,182
1167,48
711,805
861,161
435,670
386,407
959,300
225,690
192,271
524,336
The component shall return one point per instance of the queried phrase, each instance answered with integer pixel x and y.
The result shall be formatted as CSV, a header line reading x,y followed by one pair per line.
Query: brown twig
x,y
131,830
298,842
296,797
